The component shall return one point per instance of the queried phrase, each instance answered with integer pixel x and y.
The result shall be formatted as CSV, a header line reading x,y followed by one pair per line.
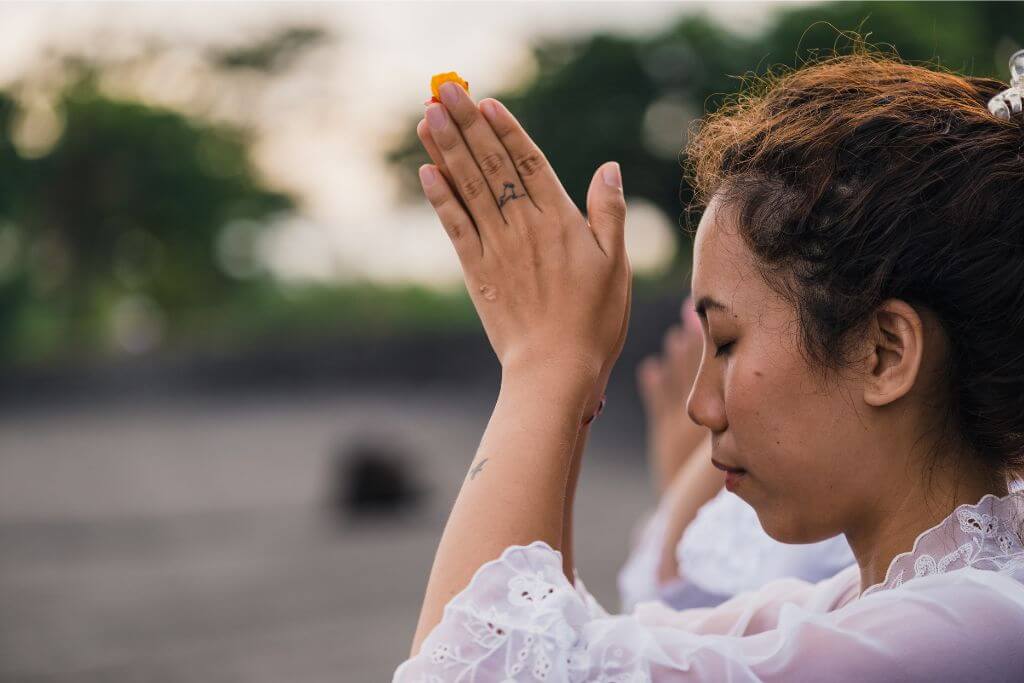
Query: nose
x,y
705,404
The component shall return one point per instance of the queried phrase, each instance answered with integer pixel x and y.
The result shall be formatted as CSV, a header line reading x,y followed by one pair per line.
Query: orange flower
x,y
436,81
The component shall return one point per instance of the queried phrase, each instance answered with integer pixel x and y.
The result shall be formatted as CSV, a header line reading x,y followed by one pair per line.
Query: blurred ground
x,y
185,539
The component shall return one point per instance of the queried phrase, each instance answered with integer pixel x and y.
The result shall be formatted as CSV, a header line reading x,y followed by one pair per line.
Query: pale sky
x,y
322,130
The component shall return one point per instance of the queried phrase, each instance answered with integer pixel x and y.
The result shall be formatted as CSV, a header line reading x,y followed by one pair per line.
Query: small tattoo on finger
x,y
505,196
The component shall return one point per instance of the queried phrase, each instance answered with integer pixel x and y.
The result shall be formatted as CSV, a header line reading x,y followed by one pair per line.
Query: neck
x,y
893,527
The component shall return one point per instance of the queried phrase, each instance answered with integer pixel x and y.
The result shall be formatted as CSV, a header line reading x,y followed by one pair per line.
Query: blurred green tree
x,y
131,221
126,206
275,53
631,99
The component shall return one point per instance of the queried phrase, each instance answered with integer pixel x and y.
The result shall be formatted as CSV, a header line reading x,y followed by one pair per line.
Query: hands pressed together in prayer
x,y
551,287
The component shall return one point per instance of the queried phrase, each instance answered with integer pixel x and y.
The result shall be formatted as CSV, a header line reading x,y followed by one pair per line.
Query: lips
x,y
726,468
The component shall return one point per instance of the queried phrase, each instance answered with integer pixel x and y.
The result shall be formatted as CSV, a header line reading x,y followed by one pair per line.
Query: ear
x,y
896,350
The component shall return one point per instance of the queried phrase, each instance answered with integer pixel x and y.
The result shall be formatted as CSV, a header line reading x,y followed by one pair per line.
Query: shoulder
x,y
969,595
757,610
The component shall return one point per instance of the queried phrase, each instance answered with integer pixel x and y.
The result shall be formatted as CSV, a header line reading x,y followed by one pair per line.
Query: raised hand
x,y
664,382
550,286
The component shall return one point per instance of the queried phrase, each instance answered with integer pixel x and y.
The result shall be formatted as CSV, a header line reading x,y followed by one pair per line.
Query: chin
x,y
797,534
786,530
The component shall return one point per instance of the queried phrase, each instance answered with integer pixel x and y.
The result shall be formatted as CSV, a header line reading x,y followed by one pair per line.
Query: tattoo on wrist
x,y
476,470
505,196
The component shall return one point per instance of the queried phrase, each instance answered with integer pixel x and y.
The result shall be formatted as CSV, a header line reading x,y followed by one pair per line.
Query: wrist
x,y
562,370
554,384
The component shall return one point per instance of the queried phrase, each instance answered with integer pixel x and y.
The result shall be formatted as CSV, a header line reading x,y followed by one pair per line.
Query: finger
x,y
468,179
457,223
668,340
543,186
680,348
649,373
689,313
624,329
629,300
490,155
606,209
423,131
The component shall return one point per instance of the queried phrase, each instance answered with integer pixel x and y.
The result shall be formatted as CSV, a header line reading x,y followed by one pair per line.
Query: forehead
x,y
721,260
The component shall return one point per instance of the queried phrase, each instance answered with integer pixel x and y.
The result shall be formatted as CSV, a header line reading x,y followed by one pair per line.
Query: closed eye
x,y
723,349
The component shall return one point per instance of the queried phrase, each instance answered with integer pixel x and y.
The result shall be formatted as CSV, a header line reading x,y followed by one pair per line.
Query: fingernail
x,y
449,94
612,176
490,111
436,117
427,175
690,313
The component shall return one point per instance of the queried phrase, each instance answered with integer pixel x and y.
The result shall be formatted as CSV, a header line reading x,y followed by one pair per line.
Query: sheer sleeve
x,y
753,611
594,608
637,579
519,619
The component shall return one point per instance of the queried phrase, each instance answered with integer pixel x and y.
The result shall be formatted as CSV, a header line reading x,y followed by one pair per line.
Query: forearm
x,y
665,469
670,449
568,556
697,482
515,490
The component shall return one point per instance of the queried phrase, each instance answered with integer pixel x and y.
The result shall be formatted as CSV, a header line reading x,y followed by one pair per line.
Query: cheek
x,y
772,411
758,400
787,432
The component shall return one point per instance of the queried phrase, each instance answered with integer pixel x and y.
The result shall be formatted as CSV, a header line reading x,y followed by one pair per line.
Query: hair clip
x,y
1008,102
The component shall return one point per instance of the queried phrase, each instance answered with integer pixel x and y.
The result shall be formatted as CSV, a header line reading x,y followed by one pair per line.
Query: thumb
x,y
606,208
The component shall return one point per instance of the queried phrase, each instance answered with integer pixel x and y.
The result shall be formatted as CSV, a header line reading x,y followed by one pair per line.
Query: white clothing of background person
x,y
961,583
724,551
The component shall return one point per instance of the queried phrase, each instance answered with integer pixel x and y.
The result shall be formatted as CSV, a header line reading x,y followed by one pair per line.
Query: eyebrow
x,y
706,302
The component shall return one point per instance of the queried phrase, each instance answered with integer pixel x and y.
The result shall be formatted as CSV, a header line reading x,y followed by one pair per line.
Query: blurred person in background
x,y
857,273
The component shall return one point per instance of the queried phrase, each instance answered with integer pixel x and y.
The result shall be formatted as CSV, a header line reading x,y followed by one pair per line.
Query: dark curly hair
x,y
860,177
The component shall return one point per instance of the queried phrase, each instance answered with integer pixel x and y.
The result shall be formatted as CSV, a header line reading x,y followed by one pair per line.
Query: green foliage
x,y
269,312
275,53
129,201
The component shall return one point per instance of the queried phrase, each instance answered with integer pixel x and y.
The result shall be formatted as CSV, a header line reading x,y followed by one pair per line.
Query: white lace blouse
x,y
724,551
950,609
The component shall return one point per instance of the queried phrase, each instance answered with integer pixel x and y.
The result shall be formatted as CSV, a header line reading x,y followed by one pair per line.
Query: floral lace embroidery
x,y
981,535
531,628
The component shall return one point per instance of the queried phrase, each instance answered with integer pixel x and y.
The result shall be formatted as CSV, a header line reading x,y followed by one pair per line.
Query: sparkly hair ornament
x,y
1008,102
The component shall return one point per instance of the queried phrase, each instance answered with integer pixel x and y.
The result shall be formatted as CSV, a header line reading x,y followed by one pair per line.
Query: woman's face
x,y
810,449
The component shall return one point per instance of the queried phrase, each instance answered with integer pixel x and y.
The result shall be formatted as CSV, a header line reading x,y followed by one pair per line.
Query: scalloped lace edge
x,y
503,558
1012,500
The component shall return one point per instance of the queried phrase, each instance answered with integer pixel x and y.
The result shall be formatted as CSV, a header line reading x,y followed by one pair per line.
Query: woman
x,y
701,544
858,274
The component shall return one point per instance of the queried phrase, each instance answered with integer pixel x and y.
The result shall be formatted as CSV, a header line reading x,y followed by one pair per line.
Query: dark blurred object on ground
x,y
372,477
